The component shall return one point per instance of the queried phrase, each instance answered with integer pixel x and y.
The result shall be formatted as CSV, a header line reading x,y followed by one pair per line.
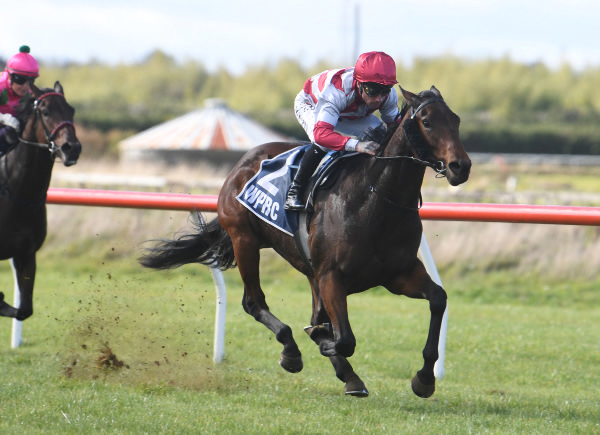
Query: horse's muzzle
x,y
69,153
458,171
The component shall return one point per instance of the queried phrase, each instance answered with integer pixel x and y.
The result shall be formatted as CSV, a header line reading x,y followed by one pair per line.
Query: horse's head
x,y
53,124
431,130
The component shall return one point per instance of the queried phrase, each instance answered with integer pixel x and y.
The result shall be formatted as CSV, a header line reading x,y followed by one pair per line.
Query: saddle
x,y
265,193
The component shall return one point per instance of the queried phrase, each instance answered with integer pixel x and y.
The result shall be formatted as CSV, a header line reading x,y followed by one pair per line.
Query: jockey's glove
x,y
9,120
367,147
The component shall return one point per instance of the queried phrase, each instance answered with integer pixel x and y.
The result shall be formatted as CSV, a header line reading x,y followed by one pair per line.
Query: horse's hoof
x,y
291,364
421,389
23,314
355,387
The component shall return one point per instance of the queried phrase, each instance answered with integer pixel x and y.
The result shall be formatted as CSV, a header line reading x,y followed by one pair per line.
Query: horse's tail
x,y
209,244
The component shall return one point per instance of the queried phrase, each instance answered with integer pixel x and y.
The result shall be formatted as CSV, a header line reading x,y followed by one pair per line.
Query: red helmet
x,y
375,67
23,63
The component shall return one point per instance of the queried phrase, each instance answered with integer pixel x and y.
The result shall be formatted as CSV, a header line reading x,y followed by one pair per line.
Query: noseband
x,y
50,145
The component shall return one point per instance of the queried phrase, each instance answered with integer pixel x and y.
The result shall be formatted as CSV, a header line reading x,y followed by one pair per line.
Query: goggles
x,y
21,79
374,89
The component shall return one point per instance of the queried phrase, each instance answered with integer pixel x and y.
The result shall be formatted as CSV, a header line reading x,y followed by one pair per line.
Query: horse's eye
x,y
426,123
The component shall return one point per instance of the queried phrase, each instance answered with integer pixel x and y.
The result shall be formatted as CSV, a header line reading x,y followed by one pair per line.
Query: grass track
x,y
511,367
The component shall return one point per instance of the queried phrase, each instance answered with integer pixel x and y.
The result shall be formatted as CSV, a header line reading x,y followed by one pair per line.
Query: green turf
x,y
513,365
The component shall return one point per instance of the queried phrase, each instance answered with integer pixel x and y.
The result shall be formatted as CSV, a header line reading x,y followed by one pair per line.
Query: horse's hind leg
x,y
254,303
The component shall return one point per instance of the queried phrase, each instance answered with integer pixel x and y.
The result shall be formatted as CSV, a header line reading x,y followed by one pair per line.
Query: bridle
x,y
413,111
50,145
438,166
410,129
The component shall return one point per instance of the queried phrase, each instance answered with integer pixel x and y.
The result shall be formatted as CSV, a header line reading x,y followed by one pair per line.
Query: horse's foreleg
x,y
254,303
334,300
354,386
321,331
420,285
24,272
6,310
423,384
24,268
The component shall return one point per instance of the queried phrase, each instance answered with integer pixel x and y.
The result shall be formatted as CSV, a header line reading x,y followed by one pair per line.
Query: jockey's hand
x,y
367,147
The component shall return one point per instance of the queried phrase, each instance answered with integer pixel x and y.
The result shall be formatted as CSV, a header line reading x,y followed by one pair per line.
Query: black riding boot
x,y
310,160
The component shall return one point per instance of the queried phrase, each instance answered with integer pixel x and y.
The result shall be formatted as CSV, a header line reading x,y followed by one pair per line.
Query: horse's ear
x,y
408,96
435,91
58,87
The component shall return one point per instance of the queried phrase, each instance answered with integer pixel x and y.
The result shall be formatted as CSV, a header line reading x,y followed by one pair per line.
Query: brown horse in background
x,y
365,232
24,180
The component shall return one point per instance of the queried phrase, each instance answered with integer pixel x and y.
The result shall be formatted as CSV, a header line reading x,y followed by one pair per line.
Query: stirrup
x,y
294,204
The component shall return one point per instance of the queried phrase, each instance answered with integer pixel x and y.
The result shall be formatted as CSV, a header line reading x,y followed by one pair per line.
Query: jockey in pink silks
x,y
336,107
15,82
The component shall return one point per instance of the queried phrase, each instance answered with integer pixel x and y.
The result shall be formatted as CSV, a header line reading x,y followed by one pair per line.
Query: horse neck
x,y
397,180
28,168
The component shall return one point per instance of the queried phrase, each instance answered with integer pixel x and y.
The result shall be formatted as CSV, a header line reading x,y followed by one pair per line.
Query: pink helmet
x,y
375,67
23,63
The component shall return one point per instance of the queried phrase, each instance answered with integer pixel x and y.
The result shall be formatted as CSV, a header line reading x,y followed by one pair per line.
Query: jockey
x,y
336,107
15,82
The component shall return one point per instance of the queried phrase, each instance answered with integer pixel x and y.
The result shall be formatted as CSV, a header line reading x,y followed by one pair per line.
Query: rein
x,y
437,166
50,145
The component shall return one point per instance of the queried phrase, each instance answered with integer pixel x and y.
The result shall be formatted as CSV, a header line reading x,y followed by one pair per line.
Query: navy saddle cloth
x,y
265,193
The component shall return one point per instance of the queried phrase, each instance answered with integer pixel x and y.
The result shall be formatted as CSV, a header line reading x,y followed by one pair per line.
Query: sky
x,y
236,34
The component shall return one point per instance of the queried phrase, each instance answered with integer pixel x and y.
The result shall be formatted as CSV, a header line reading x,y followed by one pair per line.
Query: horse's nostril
x,y
454,166
458,166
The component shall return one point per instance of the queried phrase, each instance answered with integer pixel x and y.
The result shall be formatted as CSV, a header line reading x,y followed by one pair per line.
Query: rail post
x,y
16,338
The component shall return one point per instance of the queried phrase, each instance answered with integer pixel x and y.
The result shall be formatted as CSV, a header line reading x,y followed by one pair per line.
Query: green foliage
x,y
533,137
505,106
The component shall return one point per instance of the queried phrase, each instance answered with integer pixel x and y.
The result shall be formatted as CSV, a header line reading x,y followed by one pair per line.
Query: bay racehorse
x,y
365,232
25,174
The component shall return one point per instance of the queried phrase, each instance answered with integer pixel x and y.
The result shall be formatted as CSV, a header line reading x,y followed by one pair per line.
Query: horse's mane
x,y
394,126
25,107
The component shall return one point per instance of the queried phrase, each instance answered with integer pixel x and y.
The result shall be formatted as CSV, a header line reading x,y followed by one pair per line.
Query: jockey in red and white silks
x,y
336,107
332,112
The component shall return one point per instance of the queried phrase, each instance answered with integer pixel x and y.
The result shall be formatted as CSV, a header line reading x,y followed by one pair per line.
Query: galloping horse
x,y
24,179
365,232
